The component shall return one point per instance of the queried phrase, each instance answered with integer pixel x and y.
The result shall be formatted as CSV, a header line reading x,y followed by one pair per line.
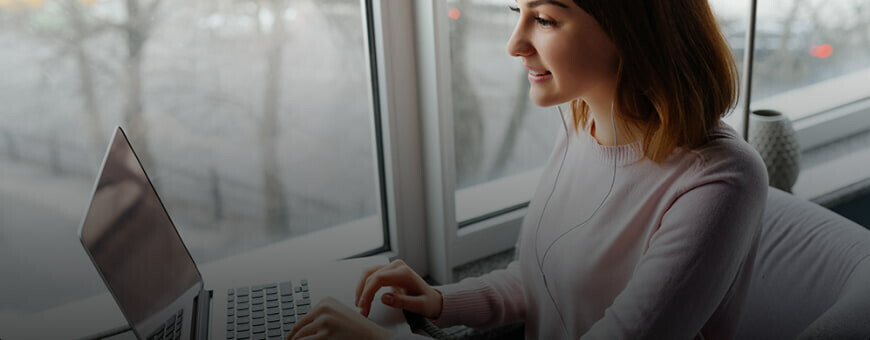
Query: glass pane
x,y
252,118
499,132
804,42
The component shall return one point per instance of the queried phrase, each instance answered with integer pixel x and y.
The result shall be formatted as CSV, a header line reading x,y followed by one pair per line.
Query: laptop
x,y
136,249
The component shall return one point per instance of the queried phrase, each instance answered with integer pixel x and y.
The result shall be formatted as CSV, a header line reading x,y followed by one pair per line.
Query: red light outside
x,y
454,13
821,51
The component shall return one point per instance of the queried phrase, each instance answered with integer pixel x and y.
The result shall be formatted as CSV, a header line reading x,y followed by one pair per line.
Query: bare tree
x,y
137,30
70,43
273,185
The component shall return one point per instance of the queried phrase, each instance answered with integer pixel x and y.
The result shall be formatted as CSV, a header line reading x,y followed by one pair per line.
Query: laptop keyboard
x,y
266,311
171,328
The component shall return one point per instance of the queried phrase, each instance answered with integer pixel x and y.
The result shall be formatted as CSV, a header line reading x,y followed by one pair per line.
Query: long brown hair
x,y
676,74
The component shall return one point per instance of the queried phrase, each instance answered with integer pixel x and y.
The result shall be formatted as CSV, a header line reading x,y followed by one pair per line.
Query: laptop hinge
x,y
201,316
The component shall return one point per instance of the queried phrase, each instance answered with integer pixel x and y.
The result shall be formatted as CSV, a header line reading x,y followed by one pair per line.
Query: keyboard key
x,y
274,325
303,310
285,286
273,318
272,297
288,312
273,311
243,299
231,312
258,329
303,302
272,304
272,290
287,306
242,292
305,295
298,289
244,320
231,319
258,322
304,288
287,299
231,327
243,336
257,308
243,328
243,307
231,335
275,332
304,282
259,336
288,320
288,326
243,313
257,288
257,294
257,301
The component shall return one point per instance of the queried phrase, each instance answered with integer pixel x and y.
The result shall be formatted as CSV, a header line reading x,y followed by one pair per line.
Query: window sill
x,y
484,199
834,169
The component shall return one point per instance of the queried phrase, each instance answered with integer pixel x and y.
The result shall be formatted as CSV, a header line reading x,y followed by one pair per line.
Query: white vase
x,y
772,134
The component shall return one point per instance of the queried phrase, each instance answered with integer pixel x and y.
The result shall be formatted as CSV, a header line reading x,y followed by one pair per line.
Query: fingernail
x,y
388,299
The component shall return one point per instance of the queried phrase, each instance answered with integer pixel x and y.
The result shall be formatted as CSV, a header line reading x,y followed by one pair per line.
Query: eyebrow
x,y
537,3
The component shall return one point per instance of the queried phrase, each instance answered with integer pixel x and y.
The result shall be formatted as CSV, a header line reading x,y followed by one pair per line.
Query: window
x,y
253,118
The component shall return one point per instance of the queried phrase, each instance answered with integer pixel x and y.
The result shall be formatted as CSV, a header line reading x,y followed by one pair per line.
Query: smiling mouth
x,y
539,74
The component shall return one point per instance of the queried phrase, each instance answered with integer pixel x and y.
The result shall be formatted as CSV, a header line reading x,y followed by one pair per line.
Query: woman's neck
x,y
601,127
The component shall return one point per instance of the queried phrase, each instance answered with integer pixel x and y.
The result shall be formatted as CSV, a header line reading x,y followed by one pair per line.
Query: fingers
x,y
368,272
313,324
305,327
362,281
401,277
412,303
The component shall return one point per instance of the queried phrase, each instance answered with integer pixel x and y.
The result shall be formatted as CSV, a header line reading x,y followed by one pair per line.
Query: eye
x,y
544,22
514,9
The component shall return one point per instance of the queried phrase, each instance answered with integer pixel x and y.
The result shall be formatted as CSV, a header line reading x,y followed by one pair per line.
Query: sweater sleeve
x,y
691,260
491,300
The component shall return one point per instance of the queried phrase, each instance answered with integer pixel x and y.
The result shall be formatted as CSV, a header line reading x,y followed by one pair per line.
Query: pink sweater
x,y
667,256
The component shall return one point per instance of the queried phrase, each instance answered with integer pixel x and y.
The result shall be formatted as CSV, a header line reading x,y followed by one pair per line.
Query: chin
x,y
544,100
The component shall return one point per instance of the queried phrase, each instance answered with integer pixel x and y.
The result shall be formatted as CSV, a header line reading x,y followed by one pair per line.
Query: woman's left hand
x,y
331,319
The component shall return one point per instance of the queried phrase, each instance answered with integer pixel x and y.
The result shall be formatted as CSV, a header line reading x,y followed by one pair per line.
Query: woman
x,y
644,223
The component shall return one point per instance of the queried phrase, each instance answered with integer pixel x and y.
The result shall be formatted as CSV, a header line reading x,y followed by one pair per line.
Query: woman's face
x,y
567,53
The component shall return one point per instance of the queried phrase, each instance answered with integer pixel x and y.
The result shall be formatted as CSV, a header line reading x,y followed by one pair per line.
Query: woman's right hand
x,y
410,292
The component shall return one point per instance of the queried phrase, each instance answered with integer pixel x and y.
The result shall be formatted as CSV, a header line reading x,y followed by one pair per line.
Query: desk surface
x,y
98,313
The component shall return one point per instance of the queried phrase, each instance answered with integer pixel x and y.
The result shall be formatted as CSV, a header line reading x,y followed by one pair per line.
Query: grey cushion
x,y
811,276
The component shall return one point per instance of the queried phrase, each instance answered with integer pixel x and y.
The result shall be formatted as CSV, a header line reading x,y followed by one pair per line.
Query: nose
x,y
519,44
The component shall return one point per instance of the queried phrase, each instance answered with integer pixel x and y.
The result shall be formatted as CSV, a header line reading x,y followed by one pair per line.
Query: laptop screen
x,y
132,240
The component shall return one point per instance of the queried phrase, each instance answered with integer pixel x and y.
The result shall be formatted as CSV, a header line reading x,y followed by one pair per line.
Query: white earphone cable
x,y
540,260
